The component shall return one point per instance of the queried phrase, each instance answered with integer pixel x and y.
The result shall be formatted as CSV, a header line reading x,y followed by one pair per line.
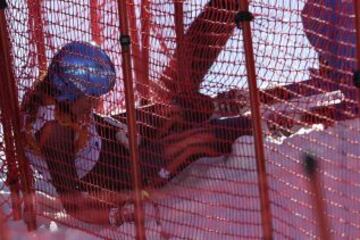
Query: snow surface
x,y
217,198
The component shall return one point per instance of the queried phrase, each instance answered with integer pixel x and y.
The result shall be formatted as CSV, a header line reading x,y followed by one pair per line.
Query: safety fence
x,y
276,82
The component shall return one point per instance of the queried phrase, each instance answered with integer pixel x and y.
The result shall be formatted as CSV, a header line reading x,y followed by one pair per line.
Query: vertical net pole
x,y
95,22
145,43
9,84
10,159
357,26
37,31
179,29
130,108
256,119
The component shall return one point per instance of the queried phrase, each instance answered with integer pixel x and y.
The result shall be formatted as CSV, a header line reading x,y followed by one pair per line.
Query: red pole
x,y
9,84
179,29
310,164
256,119
37,31
10,159
131,119
357,26
145,43
95,22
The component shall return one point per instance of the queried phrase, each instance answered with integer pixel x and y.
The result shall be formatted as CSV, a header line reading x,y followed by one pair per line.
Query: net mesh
x,y
4,197
304,55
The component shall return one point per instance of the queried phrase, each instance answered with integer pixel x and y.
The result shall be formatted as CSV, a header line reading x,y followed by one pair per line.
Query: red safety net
x,y
196,147
4,197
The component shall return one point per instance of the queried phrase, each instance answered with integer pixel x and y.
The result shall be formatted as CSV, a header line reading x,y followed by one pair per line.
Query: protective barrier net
x,y
4,197
195,140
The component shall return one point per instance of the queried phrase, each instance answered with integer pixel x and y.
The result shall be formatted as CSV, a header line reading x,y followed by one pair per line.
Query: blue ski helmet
x,y
81,68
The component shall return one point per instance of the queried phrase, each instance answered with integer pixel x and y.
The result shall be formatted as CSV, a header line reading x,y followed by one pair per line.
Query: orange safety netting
x,y
190,54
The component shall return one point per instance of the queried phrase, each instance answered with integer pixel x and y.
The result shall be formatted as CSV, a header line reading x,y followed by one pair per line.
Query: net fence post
x,y
9,84
243,19
12,178
131,117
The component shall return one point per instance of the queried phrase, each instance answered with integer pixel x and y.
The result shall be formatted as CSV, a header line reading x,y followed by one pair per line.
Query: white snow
x,y
217,198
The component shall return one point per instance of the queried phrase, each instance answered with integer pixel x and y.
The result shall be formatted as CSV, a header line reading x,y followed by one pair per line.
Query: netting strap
x,y
125,40
3,4
243,16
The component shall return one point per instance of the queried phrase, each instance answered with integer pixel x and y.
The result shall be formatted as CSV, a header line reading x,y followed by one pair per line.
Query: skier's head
x,y
81,69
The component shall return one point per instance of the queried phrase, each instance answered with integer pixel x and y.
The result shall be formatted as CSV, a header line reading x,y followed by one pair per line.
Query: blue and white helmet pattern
x,y
81,68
